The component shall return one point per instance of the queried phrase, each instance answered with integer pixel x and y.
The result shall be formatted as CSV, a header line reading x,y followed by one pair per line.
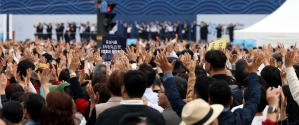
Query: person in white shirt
x,y
154,31
82,29
170,29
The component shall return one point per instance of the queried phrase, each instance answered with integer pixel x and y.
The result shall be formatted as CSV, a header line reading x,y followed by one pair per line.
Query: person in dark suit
x,y
193,31
204,32
230,29
39,30
49,30
185,32
133,88
219,31
68,36
59,31
87,31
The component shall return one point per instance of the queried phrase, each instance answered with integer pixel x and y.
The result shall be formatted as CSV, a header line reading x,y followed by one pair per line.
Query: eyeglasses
x,y
160,92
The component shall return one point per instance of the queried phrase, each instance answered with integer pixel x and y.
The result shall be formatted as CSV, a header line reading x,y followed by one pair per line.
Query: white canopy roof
x,y
281,26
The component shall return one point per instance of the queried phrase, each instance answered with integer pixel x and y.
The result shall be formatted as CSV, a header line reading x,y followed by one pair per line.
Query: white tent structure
x,y
281,26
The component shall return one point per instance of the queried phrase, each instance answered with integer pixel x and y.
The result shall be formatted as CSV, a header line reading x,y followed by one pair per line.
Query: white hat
x,y
200,112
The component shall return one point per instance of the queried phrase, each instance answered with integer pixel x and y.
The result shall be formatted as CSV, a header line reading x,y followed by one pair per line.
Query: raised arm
x,y
249,110
291,74
171,90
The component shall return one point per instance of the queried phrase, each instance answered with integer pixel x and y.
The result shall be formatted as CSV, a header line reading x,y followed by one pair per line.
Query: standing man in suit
x,y
219,31
49,30
230,29
59,31
193,31
39,30
204,32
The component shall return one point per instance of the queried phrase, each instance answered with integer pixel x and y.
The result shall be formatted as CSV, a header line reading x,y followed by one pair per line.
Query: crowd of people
x,y
86,31
52,82
163,30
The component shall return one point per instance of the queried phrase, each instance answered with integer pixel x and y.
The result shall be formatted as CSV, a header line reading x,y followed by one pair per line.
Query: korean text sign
x,y
111,45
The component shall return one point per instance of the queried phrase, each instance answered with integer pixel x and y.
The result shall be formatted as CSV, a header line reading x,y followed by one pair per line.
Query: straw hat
x,y
200,112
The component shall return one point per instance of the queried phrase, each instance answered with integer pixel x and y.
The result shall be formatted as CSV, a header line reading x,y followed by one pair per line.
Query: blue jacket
x,y
173,94
245,115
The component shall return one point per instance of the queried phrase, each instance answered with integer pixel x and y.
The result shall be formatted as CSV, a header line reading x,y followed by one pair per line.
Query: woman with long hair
x,y
60,109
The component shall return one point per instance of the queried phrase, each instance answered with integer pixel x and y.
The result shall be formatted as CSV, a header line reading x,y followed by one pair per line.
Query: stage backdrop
x,y
242,21
23,24
3,29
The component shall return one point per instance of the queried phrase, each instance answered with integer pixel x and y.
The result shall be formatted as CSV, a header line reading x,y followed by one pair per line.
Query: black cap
x,y
178,65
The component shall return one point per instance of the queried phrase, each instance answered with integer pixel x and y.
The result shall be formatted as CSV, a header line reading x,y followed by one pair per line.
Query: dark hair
x,y
181,84
100,78
220,93
292,107
114,82
240,74
11,89
135,83
132,119
104,93
262,82
60,108
36,106
216,58
263,100
184,76
149,72
13,112
199,71
64,75
16,96
23,66
277,56
202,86
271,75
48,57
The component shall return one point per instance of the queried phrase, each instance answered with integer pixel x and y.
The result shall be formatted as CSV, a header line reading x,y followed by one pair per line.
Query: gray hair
x,y
97,69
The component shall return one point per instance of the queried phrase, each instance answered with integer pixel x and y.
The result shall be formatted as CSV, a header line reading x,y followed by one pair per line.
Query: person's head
x,y
181,84
278,58
104,94
271,75
220,93
199,112
23,66
292,108
215,61
114,82
64,75
134,84
163,100
35,107
60,108
48,57
201,87
13,88
12,112
149,72
199,71
16,96
240,74
157,83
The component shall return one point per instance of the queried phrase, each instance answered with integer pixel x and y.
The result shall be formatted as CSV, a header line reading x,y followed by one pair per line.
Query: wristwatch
x,y
272,110
73,75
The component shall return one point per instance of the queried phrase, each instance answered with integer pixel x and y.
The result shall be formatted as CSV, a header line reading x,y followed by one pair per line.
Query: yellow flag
x,y
216,45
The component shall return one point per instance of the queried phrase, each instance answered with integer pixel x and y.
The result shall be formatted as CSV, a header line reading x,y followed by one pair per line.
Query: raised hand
x,y
3,82
192,65
131,54
282,49
290,59
273,62
82,77
162,62
256,62
272,97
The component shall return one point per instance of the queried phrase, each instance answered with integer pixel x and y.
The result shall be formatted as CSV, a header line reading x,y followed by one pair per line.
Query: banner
x,y
3,25
216,45
240,20
111,45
